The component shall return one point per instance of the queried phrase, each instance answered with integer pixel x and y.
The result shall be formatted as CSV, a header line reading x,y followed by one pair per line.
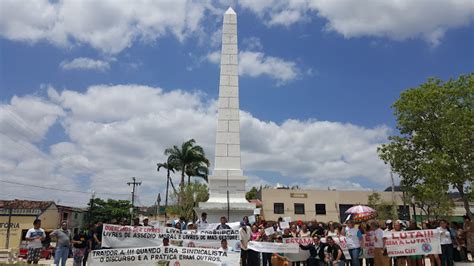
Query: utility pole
x,y
133,184
91,207
9,225
394,209
158,201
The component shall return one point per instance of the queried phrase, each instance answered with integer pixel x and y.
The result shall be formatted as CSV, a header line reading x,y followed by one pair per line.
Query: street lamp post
x,y
413,201
194,205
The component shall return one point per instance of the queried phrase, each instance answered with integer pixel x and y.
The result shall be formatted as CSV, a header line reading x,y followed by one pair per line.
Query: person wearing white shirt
x,y
447,250
245,234
203,221
34,236
354,239
224,246
379,257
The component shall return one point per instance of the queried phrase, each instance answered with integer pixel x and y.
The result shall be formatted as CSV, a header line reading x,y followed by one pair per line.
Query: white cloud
x,y
256,64
108,25
214,57
252,44
395,19
115,132
86,64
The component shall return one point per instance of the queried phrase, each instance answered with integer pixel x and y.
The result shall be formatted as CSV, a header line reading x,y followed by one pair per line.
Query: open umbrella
x,y
361,213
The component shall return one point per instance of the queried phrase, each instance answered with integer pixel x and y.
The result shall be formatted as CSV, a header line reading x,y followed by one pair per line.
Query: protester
x,y
414,260
304,231
332,230
254,256
353,238
136,222
123,221
146,221
316,250
279,259
293,230
166,242
469,231
388,225
446,244
203,221
379,246
97,237
245,235
34,236
79,247
224,246
63,242
182,222
434,258
223,225
461,241
400,260
334,254
245,219
266,257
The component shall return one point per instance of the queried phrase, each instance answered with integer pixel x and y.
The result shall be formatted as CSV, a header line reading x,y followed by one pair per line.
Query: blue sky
x,y
316,82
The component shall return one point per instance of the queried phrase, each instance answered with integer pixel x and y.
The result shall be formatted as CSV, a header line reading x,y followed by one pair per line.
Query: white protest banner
x,y
129,236
287,219
368,244
162,256
133,236
256,211
284,225
302,255
269,231
213,226
270,247
417,242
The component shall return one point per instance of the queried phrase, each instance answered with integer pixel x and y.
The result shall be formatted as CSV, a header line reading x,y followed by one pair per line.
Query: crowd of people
x,y
457,240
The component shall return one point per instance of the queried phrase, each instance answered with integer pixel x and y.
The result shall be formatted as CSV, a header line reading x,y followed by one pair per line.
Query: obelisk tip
x,y
230,11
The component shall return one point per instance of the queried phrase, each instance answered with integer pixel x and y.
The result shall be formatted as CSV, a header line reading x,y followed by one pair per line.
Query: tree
x,y
169,166
435,143
198,169
434,202
188,154
384,209
189,195
105,211
252,194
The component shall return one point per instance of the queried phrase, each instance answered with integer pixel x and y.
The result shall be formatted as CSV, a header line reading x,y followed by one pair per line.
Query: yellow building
x,y
17,216
320,205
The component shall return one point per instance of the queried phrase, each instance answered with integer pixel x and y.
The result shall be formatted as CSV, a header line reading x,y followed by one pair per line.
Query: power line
x,y
63,190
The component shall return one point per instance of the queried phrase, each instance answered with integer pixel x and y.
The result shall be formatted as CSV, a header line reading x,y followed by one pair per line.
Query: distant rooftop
x,y
25,204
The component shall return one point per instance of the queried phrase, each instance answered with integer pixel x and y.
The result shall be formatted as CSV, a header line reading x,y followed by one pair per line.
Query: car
x,y
46,253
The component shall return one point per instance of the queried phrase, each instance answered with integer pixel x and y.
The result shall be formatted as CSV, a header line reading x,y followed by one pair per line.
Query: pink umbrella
x,y
361,213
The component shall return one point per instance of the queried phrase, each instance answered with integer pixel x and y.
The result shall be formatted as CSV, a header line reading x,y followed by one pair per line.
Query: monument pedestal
x,y
216,210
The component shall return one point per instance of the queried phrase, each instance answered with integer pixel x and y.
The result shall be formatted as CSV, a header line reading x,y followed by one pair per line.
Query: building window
x,y
299,208
278,208
75,215
321,209
65,216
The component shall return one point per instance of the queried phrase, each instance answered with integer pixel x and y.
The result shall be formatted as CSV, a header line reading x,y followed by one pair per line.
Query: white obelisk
x,y
227,182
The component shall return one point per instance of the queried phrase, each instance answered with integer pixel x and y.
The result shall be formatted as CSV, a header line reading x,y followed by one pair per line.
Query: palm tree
x,y
186,155
169,166
199,169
